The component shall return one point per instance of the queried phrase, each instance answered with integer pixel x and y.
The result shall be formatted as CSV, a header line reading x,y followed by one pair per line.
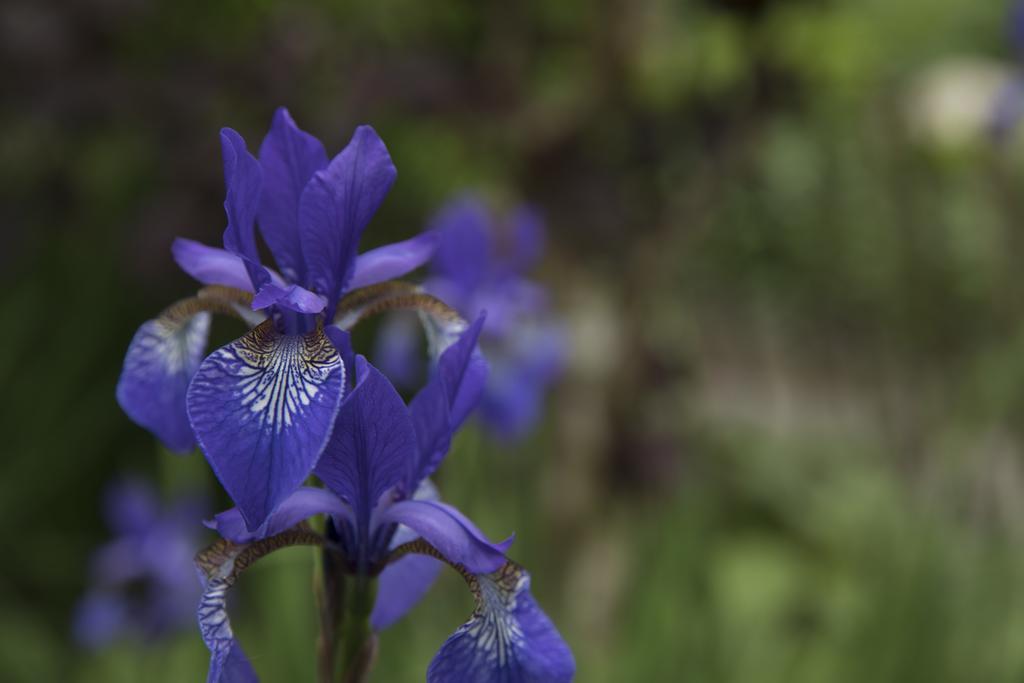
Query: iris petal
x,y
244,180
453,534
404,582
292,297
508,637
447,399
289,157
373,445
393,260
401,585
527,239
464,251
228,663
336,206
163,356
210,265
262,409
219,567
299,506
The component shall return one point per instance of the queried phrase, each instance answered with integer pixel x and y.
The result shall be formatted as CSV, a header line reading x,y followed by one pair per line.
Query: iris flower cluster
x,y
296,425
481,264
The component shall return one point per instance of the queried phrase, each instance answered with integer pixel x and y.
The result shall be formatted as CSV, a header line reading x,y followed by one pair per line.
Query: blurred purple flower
x,y
481,266
1009,102
142,582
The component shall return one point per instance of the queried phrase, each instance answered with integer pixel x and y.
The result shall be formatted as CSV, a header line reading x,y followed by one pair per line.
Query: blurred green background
x,y
788,446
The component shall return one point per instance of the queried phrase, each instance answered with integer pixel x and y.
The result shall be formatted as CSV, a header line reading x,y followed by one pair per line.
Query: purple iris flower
x,y
262,407
480,264
143,582
1009,104
386,523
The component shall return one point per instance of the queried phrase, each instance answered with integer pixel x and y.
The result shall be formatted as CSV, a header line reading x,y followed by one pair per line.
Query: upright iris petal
x,y
244,180
262,408
445,402
336,206
289,157
370,447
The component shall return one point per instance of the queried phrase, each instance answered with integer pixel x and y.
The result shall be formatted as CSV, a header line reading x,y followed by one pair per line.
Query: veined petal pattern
x,y
262,408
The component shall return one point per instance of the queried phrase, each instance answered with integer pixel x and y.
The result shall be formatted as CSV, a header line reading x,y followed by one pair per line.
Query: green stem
x,y
347,646
358,643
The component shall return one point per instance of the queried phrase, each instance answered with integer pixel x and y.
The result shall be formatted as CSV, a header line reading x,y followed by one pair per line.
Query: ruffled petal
x,y
373,446
289,157
262,409
393,260
299,506
454,536
447,399
244,181
336,206
162,358
508,637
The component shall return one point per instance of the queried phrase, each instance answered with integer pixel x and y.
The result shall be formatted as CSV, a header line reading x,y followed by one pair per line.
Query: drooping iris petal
x,y
373,445
335,207
244,180
445,402
464,247
228,663
289,157
400,586
299,506
262,408
508,638
292,297
162,358
393,260
450,532
219,567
